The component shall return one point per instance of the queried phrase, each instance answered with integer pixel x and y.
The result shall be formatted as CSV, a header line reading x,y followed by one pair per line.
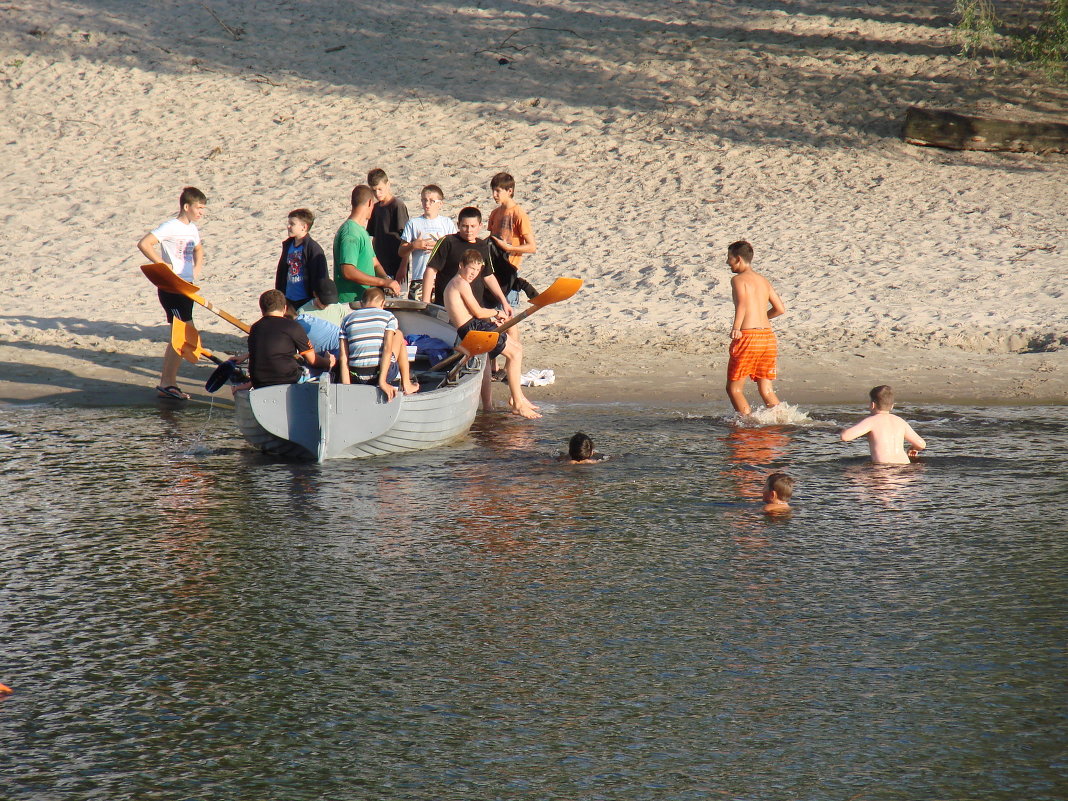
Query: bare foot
x,y
411,388
525,409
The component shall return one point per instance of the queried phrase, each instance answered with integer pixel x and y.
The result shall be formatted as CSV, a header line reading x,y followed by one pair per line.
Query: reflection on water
x,y
184,618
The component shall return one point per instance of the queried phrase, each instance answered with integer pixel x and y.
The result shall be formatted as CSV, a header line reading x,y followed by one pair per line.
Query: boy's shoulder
x,y
175,225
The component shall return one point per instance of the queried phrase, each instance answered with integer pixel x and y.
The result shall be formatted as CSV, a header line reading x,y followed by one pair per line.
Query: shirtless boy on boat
x,y
467,314
886,432
753,349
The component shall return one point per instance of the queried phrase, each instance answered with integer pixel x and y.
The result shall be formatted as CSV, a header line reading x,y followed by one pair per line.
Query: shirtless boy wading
x,y
753,348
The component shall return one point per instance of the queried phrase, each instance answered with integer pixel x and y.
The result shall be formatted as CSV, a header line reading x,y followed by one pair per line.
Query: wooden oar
x,y
560,289
165,278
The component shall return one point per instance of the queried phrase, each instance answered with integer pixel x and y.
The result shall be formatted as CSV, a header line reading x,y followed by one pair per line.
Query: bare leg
x,y
171,361
487,386
767,394
735,391
400,351
513,352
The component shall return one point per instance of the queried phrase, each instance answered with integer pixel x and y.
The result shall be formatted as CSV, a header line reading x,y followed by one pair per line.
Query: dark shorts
x,y
366,377
475,324
179,304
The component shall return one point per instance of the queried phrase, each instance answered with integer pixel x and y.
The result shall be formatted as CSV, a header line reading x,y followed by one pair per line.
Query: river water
x,y
182,618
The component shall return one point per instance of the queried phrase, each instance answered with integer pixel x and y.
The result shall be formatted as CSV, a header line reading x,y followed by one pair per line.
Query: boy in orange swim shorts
x,y
753,349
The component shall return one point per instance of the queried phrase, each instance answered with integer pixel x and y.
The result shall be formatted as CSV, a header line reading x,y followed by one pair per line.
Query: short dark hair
x,y
782,485
882,396
376,177
271,301
191,195
361,195
373,294
580,447
502,180
469,211
433,188
742,249
326,291
304,215
471,256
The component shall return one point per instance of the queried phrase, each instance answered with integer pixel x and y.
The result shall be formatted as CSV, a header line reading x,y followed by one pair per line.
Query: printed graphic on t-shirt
x,y
295,279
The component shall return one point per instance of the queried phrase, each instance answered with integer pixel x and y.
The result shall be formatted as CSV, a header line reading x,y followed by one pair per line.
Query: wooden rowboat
x,y
325,420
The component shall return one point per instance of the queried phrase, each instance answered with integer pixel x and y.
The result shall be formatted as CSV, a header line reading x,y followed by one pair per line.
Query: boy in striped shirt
x,y
375,347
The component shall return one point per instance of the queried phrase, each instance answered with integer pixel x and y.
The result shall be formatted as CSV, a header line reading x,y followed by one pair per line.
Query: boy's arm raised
x,y
858,430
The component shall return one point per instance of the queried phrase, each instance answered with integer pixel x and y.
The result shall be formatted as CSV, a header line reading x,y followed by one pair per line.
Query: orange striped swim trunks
x,y
753,354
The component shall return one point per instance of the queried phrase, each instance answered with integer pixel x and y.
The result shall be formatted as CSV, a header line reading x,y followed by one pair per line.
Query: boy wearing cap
x,y
325,304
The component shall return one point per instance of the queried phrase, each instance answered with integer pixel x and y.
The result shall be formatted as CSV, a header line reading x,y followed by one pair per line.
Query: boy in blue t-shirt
x,y
302,264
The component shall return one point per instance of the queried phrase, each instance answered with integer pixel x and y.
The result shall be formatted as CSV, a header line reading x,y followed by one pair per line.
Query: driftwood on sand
x,y
950,129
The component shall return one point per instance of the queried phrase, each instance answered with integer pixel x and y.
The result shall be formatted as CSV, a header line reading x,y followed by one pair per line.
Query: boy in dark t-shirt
x,y
388,219
445,262
275,342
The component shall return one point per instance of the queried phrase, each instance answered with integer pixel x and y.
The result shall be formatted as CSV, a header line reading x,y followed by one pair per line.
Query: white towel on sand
x,y
537,378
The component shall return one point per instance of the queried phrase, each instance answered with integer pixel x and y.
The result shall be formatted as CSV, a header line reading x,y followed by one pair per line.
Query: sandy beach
x,y
644,138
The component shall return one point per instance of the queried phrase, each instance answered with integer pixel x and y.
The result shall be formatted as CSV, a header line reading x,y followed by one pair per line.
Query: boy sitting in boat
x,y
276,342
324,303
467,314
886,432
373,347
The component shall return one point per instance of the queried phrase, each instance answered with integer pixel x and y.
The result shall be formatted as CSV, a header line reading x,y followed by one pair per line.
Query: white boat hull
x,y
324,420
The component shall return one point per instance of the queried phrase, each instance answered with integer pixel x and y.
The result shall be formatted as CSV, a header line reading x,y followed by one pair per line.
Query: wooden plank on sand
x,y
943,128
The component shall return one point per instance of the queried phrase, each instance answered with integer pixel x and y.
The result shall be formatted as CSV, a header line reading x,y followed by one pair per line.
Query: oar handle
x,y
446,361
207,304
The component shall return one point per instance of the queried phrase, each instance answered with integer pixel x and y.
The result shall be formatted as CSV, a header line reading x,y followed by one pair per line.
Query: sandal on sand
x,y
171,392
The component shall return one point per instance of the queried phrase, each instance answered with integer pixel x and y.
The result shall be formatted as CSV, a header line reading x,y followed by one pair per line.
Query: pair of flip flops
x,y
171,393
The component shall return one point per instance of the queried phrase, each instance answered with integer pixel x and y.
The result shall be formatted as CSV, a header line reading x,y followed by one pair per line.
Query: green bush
x,y
1040,38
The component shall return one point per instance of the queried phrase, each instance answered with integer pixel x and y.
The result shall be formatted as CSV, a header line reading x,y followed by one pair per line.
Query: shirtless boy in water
x,y
885,431
467,314
753,348
778,489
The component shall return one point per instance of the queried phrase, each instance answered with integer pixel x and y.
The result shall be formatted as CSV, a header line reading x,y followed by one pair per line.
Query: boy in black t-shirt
x,y
388,219
445,262
275,342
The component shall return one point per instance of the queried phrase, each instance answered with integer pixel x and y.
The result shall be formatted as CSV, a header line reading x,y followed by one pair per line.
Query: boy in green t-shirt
x,y
355,265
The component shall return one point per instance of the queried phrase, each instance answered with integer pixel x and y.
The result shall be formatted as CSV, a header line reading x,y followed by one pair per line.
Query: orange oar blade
x,y
477,342
560,289
185,339
165,278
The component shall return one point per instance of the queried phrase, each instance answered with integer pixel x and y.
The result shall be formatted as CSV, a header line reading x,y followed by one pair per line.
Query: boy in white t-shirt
x,y
421,235
177,243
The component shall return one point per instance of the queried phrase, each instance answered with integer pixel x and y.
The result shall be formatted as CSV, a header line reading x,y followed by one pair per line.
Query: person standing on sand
x,y
178,243
355,264
753,350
